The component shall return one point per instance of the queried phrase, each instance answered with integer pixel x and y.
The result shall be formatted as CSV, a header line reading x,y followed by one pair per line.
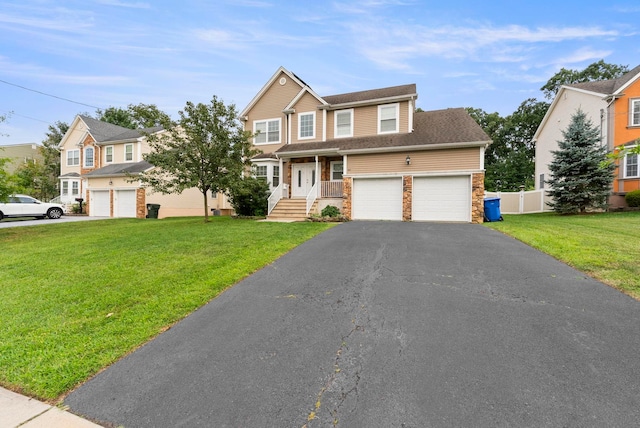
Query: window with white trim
x,y
306,125
128,152
65,188
88,157
276,175
343,123
260,172
634,112
108,154
73,157
336,170
75,188
631,165
388,118
268,131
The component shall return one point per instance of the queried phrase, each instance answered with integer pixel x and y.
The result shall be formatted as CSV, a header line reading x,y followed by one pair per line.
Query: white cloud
x,y
118,3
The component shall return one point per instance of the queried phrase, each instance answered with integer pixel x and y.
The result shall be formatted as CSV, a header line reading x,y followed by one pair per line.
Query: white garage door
x,y
125,203
377,199
441,199
100,203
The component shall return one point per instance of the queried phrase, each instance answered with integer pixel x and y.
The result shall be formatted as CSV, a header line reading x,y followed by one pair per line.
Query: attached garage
x,y
100,203
446,198
125,203
377,198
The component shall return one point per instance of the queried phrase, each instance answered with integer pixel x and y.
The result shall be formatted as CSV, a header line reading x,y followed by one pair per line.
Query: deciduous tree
x,y
599,70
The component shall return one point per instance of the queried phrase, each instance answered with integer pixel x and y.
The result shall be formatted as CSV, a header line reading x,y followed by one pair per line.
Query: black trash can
x,y
152,210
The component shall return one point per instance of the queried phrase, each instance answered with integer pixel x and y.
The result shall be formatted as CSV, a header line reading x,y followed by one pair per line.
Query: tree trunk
x,y
206,207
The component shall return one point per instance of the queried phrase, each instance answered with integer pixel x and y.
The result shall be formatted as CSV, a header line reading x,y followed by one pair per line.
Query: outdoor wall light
x,y
110,182
408,160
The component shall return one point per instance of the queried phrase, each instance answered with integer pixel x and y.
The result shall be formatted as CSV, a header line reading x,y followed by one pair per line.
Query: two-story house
x,y
98,163
612,105
369,153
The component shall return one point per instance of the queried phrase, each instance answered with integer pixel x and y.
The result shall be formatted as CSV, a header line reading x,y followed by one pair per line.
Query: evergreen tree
x,y
580,176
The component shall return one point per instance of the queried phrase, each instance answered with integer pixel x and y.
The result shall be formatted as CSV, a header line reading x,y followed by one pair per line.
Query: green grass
x,y
75,297
606,246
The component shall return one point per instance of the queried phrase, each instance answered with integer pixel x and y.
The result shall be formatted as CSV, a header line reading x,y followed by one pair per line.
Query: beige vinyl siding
x,y
365,120
270,106
308,103
421,161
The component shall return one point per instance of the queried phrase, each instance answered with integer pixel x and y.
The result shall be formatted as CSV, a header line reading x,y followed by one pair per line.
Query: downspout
x,y
411,111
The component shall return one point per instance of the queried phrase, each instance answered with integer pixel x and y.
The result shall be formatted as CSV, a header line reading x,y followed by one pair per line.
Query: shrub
x,y
330,211
248,197
633,198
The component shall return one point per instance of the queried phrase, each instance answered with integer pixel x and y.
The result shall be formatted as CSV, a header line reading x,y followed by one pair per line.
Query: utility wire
x,y
10,113
48,95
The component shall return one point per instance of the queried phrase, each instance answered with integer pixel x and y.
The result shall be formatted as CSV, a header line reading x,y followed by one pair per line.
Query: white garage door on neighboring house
x,y
100,203
124,203
377,199
445,198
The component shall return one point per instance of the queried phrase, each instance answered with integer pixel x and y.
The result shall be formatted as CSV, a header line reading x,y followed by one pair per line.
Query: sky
x,y
62,58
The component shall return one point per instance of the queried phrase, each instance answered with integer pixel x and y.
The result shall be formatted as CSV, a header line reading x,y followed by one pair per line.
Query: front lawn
x,y
75,297
605,246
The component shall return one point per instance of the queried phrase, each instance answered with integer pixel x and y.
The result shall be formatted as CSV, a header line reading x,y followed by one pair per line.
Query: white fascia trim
x,y
268,85
65,137
417,148
388,100
465,173
626,85
307,153
300,95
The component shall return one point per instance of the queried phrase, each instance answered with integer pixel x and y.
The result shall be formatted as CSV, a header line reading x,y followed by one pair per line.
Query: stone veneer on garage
x,y
477,197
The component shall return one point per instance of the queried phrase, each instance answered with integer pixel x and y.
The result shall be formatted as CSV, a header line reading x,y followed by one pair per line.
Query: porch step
x,y
290,209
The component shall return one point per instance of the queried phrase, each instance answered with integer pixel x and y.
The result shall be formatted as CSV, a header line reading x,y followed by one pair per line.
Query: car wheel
x,y
1,215
54,213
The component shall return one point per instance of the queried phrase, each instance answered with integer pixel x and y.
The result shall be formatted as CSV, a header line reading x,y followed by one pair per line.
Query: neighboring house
x,y
368,153
19,154
614,106
98,160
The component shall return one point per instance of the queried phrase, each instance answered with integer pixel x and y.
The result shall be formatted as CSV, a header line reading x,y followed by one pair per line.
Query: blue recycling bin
x,y
492,209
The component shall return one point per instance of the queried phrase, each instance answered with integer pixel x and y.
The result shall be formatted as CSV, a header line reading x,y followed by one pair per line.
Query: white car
x,y
26,206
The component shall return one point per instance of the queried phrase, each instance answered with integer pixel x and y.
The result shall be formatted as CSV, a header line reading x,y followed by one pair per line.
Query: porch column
x,y
317,178
282,177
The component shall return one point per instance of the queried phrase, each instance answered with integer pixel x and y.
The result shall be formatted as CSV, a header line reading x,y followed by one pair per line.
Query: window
x,y
306,127
261,172
108,154
336,170
634,111
65,187
268,131
631,165
542,181
128,152
388,118
73,157
344,123
75,190
88,157
276,175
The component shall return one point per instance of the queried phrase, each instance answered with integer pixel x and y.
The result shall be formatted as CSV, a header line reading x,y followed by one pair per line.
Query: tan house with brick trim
x,y
97,161
369,153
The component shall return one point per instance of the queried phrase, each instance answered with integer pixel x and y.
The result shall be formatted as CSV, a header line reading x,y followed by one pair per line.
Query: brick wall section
x,y
86,203
346,196
477,198
141,207
407,192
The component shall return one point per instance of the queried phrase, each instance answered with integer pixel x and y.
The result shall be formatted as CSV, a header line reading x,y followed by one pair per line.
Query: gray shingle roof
x,y
607,87
119,169
449,126
105,132
373,94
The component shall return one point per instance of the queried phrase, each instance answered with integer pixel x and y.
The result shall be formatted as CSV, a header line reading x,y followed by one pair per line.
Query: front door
x,y
303,178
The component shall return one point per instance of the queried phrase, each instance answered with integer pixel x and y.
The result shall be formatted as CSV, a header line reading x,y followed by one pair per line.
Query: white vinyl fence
x,y
532,201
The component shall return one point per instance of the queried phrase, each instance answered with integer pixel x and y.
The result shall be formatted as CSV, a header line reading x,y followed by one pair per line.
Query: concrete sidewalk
x,y
19,411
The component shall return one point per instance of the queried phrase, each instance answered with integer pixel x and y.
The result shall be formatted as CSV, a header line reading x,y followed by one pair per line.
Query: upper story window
x,y
634,113
73,157
631,166
128,152
388,118
306,125
108,154
268,131
88,157
343,123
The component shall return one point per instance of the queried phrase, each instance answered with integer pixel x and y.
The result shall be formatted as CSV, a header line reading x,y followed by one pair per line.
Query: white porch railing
x,y
331,189
312,196
275,197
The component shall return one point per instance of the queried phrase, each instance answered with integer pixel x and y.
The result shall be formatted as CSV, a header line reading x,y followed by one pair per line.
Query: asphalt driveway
x,y
389,324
